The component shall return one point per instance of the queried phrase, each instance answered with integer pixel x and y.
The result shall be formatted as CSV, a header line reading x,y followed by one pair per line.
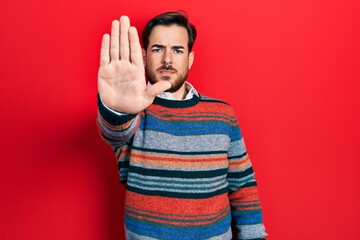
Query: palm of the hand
x,y
122,87
121,78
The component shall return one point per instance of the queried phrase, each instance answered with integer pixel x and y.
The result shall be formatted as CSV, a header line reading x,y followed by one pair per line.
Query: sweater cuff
x,y
111,117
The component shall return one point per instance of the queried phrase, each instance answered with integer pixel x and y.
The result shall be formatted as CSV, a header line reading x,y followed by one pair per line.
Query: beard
x,y
175,84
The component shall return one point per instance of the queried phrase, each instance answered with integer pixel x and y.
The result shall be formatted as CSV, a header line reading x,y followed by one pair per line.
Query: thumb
x,y
158,88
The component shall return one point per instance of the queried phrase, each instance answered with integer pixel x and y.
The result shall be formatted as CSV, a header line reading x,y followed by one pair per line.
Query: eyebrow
x,y
163,46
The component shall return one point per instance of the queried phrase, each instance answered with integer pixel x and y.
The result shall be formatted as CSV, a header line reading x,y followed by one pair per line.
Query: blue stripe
x,y
235,134
162,231
193,127
245,218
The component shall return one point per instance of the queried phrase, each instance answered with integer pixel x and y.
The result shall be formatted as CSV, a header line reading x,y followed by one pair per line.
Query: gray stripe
x,y
252,231
180,188
240,181
146,182
234,184
178,180
177,168
237,148
164,141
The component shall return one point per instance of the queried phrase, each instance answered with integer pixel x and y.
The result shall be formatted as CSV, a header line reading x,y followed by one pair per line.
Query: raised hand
x,y
121,76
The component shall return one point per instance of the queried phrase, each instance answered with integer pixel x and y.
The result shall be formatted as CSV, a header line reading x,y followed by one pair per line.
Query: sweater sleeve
x,y
244,199
117,130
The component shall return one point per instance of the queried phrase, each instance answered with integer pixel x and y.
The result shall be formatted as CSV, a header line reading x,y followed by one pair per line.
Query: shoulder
x,y
212,100
217,105
215,102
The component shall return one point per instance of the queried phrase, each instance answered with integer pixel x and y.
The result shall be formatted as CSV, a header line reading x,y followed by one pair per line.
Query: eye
x,y
156,50
178,51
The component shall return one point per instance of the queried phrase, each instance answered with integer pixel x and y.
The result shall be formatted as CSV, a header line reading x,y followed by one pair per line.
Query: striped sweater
x,y
186,171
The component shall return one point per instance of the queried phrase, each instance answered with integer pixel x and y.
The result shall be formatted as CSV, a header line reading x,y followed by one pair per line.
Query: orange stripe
x,y
171,216
179,223
247,209
240,163
198,112
167,158
179,164
185,207
163,160
245,194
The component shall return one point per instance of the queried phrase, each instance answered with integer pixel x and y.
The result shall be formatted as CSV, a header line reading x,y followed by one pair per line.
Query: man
x,y
181,155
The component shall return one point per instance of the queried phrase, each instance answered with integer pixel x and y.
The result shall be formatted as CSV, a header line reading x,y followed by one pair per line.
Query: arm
x,y
244,199
116,129
122,88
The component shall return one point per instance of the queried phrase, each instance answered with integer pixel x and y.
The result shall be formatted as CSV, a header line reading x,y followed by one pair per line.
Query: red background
x,y
290,69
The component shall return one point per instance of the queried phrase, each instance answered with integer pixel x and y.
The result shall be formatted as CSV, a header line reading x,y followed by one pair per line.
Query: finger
x,y
104,52
114,40
124,37
157,88
135,47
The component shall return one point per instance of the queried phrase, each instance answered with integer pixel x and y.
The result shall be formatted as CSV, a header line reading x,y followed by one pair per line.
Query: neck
x,y
181,93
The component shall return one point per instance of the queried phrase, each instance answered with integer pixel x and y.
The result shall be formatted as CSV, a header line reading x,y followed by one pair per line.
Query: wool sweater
x,y
186,171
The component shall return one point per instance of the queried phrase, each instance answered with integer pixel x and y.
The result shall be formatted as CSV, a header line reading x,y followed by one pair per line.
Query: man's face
x,y
167,57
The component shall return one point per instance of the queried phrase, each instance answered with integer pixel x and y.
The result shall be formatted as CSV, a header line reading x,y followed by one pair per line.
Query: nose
x,y
167,57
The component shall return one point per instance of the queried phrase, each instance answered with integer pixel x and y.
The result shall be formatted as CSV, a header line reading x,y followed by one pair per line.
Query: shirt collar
x,y
167,95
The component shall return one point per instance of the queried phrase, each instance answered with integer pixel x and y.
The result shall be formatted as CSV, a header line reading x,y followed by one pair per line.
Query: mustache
x,y
167,67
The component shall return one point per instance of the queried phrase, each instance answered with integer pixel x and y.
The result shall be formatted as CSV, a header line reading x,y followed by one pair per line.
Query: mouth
x,y
167,70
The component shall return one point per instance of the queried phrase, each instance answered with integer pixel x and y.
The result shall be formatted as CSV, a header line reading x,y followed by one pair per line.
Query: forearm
x,y
116,129
247,213
244,199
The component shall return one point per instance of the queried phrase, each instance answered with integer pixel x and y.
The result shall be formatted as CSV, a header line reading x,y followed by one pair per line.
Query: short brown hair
x,y
168,19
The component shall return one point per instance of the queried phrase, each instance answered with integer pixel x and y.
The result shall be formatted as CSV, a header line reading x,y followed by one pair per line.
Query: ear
x,y
191,58
144,56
